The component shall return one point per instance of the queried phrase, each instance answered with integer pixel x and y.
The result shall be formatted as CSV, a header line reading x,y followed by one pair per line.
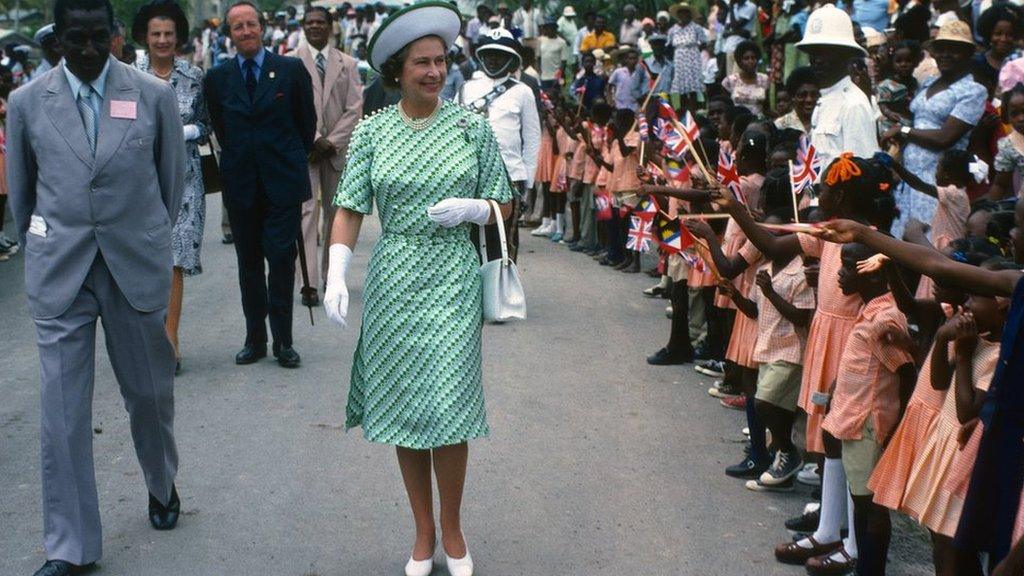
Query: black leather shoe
x,y
310,299
287,357
251,354
165,517
55,568
664,357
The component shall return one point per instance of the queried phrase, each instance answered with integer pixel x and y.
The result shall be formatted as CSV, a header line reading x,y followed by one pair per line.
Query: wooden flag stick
x,y
712,216
792,194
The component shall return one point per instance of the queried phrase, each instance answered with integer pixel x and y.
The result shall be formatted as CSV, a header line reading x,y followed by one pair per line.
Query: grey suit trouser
x,y
143,362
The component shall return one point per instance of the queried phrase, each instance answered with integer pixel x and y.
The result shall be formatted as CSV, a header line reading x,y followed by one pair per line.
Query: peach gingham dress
x,y
566,145
623,176
868,386
597,137
889,480
778,340
927,498
734,237
833,321
744,328
545,157
579,159
948,224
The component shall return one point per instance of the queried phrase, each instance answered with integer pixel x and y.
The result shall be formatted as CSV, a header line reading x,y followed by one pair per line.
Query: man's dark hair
x,y
236,4
326,12
62,7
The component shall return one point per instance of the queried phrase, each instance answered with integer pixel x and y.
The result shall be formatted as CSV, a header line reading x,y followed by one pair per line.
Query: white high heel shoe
x,y
419,567
460,566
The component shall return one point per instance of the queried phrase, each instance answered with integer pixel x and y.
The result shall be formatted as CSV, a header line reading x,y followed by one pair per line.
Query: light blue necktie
x,y
88,112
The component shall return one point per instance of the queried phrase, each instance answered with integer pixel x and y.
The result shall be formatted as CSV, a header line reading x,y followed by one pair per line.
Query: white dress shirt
x,y
514,120
843,121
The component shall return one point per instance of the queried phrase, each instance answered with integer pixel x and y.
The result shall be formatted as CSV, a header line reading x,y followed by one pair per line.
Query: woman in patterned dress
x,y
431,167
686,38
945,110
162,28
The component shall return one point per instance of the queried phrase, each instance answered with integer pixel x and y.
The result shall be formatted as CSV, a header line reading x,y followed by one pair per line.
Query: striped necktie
x,y
88,114
321,66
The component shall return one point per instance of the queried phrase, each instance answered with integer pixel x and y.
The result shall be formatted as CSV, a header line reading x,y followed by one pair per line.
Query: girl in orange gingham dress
x,y
562,152
937,484
861,190
542,176
574,173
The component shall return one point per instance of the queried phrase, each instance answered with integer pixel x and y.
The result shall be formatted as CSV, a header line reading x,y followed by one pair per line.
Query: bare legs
x,y
449,465
174,308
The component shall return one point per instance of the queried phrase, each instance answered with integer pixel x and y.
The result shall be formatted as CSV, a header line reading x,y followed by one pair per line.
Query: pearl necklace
x,y
418,123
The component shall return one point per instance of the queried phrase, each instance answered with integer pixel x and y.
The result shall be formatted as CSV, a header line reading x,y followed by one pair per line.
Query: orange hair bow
x,y
842,170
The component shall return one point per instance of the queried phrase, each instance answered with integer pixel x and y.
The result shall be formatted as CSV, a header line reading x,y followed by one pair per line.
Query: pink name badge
x,y
123,109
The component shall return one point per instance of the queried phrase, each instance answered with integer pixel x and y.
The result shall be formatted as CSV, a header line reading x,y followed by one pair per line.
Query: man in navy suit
x,y
262,110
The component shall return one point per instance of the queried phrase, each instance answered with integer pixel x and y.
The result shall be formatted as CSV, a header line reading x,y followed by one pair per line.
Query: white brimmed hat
x,y
432,18
829,26
43,33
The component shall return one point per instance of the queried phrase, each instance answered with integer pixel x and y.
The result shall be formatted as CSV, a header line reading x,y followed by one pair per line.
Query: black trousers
x,y
265,232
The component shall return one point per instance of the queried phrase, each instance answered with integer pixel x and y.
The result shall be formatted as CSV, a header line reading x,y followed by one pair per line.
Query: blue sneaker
x,y
556,237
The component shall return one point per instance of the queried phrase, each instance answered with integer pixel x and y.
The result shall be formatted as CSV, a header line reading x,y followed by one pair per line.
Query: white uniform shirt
x,y
514,120
843,121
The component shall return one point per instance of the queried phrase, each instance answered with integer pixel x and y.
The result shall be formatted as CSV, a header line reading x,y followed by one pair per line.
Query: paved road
x,y
598,464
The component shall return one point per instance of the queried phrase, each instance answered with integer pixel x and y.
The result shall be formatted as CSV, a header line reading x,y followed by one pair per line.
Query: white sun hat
x,y
432,18
829,26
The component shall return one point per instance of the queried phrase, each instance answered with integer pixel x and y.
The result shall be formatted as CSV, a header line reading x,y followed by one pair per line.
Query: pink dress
x,y
888,482
744,328
927,497
545,158
948,224
560,171
833,321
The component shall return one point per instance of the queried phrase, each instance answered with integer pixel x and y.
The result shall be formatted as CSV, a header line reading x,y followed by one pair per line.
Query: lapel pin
x,y
272,74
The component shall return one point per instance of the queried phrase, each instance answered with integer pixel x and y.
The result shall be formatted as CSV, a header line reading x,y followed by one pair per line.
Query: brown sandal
x,y
824,565
797,555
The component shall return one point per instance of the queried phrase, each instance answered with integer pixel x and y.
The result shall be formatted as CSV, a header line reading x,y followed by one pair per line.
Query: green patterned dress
x,y
416,372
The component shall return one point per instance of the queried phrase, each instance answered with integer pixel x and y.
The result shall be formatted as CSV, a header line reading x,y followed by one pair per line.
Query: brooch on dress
x,y
463,123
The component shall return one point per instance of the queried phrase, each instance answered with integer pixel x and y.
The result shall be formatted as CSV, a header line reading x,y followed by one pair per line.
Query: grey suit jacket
x,y
120,203
339,101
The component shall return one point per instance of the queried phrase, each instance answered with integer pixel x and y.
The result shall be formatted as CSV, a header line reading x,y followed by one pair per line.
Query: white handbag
x,y
504,298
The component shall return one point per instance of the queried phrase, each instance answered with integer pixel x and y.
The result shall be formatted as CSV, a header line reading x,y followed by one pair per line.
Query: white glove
x,y
336,293
451,212
190,131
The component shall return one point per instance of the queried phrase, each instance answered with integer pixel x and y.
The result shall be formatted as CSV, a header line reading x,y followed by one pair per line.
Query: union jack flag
x,y
695,261
642,127
675,144
727,174
655,171
666,111
690,126
602,206
806,166
640,234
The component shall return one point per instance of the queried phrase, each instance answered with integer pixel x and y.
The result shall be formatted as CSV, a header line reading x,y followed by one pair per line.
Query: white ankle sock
x,y
850,543
545,222
833,501
560,223
664,282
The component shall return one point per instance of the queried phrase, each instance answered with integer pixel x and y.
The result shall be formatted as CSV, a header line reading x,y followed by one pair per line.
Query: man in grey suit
x,y
95,169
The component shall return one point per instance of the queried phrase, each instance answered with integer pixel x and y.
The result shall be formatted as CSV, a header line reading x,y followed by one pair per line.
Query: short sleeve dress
x,y
416,376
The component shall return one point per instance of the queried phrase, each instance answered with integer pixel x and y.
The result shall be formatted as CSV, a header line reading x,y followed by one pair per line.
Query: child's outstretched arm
x,y
728,267
922,260
772,246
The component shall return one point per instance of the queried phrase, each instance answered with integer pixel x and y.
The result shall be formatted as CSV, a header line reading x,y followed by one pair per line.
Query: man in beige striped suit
x,y
338,96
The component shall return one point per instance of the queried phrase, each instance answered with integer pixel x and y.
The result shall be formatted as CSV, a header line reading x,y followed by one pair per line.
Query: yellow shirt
x,y
592,41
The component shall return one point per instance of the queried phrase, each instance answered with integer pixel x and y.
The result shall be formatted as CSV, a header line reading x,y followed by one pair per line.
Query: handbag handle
x,y
500,221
